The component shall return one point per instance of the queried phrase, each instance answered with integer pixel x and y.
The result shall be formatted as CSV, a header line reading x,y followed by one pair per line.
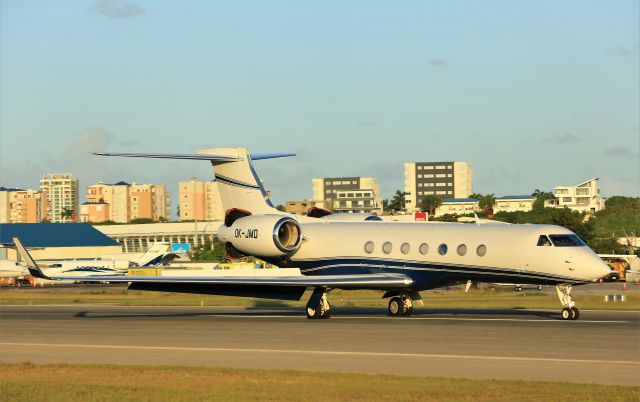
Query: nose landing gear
x,y
569,311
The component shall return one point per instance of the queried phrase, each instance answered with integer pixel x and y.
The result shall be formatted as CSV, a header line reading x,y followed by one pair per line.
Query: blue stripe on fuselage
x,y
426,275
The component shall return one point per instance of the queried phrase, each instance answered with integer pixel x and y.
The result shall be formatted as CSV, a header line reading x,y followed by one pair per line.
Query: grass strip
x,y
482,299
84,382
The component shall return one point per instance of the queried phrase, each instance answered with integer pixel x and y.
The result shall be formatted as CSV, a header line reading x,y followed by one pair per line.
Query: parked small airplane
x,y
362,252
158,254
12,269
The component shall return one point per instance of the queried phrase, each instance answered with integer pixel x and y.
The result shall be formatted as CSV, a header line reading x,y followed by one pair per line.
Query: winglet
x,y
34,269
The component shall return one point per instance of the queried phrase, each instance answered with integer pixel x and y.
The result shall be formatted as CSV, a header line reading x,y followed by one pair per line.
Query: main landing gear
x,y
569,311
402,304
318,305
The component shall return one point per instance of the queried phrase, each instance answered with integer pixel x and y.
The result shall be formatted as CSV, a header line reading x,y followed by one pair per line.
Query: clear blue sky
x,y
534,93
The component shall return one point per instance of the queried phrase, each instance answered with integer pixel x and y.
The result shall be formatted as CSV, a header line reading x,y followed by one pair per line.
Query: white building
x,y
446,179
513,203
583,197
137,238
60,190
364,201
327,190
459,206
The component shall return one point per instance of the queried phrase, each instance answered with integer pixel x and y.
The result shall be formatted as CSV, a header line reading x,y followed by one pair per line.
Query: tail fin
x,y
154,254
238,182
33,268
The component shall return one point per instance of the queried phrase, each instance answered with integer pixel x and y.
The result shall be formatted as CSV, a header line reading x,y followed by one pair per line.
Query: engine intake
x,y
263,235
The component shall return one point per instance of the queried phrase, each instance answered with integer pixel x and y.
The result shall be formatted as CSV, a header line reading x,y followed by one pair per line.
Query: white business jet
x,y
158,254
362,252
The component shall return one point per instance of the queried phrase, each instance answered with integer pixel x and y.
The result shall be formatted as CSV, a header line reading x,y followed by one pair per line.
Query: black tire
x,y
566,313
396,307
575,313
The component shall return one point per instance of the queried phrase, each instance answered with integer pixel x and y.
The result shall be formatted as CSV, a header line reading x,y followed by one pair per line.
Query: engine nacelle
x,y
263,235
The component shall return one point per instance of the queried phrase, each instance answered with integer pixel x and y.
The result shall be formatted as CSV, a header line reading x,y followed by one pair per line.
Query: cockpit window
x,y
570,240
544,241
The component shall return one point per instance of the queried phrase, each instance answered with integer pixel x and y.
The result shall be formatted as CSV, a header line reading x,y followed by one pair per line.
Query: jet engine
x,y
263,235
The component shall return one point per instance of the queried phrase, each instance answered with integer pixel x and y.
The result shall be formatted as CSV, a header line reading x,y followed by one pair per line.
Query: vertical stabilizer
x,y
154,254
238,183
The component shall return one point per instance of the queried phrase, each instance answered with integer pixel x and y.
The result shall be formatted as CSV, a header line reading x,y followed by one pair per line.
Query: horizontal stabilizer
x,y
257,157
194,157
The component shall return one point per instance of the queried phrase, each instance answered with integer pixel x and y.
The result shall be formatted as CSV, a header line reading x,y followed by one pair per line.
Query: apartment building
x,y
60,194
122,202
327,190
200,201
583,197
363,201
446,179
21,206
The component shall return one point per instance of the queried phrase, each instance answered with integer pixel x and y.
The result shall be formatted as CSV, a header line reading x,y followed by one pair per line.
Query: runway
x,y
602,347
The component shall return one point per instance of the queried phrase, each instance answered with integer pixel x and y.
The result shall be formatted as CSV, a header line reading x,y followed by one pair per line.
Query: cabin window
x,y
368,247
405,248
462,249
387,247
544,241
442,249
424,248
566,240
481,250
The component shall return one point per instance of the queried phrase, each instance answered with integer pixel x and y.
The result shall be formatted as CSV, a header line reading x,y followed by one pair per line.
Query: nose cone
x,y
600,269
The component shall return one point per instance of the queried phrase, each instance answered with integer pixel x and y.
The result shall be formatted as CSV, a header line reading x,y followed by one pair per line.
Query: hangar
x,y
50,241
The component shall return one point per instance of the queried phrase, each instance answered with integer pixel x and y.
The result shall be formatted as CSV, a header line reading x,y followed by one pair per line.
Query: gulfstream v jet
x,y
363,252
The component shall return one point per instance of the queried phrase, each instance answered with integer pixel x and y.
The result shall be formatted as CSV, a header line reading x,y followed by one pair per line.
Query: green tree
x,y
66,213
280,207
209,251
485,202
430,203
541,197
397,203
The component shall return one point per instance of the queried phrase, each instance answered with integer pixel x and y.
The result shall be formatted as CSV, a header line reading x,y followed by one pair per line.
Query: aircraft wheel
x,y
575,313
567,314
408,311
396,307
317,312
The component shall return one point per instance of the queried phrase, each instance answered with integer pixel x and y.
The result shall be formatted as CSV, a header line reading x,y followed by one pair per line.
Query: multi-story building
x,y
327,189
364,201
148,201
116,195
125,202
200,201
583,197
21,206
513,203
446,179
60,194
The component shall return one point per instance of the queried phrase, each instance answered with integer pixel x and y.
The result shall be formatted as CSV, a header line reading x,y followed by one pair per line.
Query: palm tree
x,y
430,203
66,213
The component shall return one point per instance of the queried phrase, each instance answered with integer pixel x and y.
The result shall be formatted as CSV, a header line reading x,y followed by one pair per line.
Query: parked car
x,y
612,277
